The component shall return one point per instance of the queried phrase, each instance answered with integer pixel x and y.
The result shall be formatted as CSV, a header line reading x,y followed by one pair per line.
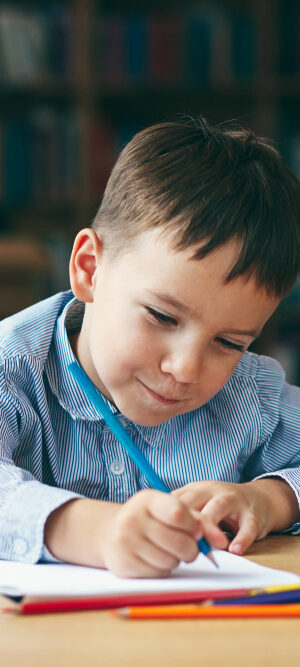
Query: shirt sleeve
x,y
25,502
279,450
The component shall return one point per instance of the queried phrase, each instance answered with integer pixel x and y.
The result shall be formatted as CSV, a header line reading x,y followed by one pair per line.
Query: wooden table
x,y
89,639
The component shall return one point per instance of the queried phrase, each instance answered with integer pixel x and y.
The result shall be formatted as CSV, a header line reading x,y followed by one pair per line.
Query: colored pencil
x,y
275,589
38,605
126,441
282,597
207,611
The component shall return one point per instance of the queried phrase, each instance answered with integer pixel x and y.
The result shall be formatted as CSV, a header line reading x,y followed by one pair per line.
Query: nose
x,y
184,363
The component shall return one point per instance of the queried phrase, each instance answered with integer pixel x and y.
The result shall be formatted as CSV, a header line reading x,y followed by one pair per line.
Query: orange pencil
x,y
207,611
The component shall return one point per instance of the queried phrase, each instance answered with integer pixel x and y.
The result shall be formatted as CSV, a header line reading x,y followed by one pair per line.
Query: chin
x,y
142,414
151,422
145,418
142,417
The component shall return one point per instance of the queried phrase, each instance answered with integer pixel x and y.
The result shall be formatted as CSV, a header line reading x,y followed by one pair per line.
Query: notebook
x,y
62,587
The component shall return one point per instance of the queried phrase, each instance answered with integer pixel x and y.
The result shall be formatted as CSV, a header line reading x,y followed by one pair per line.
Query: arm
x,y
147,536
25,506
25,502
269,499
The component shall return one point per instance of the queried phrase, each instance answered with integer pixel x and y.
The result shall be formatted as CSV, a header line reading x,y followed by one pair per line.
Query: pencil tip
x,y
212,560
123,612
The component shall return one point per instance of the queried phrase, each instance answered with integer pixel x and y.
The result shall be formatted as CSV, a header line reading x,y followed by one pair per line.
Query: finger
x,y
174,543
132,557
156,557
213,533
222,507
195,495
171,512
133,565
246,534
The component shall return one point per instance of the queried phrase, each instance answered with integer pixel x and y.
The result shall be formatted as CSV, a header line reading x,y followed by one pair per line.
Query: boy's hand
x,y
152,532
249,511
147,536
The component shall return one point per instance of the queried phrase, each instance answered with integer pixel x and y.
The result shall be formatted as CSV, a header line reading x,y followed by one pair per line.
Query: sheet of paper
x,y
69,580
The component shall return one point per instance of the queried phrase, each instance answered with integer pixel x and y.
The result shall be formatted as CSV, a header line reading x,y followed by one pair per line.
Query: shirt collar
x,y
66,389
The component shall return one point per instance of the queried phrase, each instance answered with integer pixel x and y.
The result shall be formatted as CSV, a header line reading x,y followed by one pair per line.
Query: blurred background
x,y
79,77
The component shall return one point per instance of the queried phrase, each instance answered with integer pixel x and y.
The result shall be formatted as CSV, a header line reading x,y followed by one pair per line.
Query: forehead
x,y
156,246
199,286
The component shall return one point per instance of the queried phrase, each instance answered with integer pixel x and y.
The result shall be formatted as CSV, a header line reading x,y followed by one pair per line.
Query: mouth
x,y
158,397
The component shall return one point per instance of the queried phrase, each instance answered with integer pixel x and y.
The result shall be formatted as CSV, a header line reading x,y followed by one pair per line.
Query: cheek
x,y
138,346
122,345
216,374
222,368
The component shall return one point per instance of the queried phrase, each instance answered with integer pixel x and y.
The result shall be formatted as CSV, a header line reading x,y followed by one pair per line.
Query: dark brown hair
x,y
206,184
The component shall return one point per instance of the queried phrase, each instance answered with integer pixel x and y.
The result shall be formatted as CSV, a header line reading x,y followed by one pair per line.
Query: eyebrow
x,y
169,300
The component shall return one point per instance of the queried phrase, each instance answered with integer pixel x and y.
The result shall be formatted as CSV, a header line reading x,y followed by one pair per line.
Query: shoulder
x,y
262,377
258,367
257,379
257,393
246,411
29,332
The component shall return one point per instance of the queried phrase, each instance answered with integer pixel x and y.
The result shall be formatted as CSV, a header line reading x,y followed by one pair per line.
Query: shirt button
x,y
117,467
20,546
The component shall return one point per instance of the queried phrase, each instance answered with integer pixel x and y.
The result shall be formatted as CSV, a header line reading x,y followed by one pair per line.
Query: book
x,y
244,45
17,152
45,588
102,151
198,45
109,49
36,44
288,38
136,47
165,48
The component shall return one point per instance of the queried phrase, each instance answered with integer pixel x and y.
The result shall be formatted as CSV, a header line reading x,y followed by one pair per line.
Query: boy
x,y
195,243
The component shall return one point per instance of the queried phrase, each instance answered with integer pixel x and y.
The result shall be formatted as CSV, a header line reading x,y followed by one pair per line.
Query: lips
x,y
162,399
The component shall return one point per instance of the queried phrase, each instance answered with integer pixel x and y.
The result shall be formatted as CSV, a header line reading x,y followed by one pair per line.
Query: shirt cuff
x,y
291,477
23,520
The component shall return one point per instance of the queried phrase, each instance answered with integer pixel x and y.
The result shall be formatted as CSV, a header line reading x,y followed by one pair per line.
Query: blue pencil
x,y
126,441
284,597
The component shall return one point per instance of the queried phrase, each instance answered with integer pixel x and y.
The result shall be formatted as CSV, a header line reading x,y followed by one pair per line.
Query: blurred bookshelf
x,y
79,77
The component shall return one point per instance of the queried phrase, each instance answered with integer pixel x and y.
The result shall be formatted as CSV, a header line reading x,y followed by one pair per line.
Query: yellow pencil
x,y
274,589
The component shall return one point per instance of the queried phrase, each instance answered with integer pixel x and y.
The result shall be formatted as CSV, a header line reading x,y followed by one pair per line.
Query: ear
x,y
86,253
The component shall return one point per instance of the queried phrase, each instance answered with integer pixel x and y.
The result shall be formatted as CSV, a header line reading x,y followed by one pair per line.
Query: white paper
x,y
62,580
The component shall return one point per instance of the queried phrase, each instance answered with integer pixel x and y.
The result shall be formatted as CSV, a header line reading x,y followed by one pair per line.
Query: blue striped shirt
x,y
55,446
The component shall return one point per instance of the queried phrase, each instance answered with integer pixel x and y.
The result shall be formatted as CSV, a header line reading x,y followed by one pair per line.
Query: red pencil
x,y
41,605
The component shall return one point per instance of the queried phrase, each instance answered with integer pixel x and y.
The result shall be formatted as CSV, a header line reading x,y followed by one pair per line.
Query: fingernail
x,y
236,548
198,534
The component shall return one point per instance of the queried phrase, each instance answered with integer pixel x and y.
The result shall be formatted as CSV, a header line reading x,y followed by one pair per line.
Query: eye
x,y
163,319
227,344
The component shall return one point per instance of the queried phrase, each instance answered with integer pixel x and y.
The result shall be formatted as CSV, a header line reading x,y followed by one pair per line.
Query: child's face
x,y
164,333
